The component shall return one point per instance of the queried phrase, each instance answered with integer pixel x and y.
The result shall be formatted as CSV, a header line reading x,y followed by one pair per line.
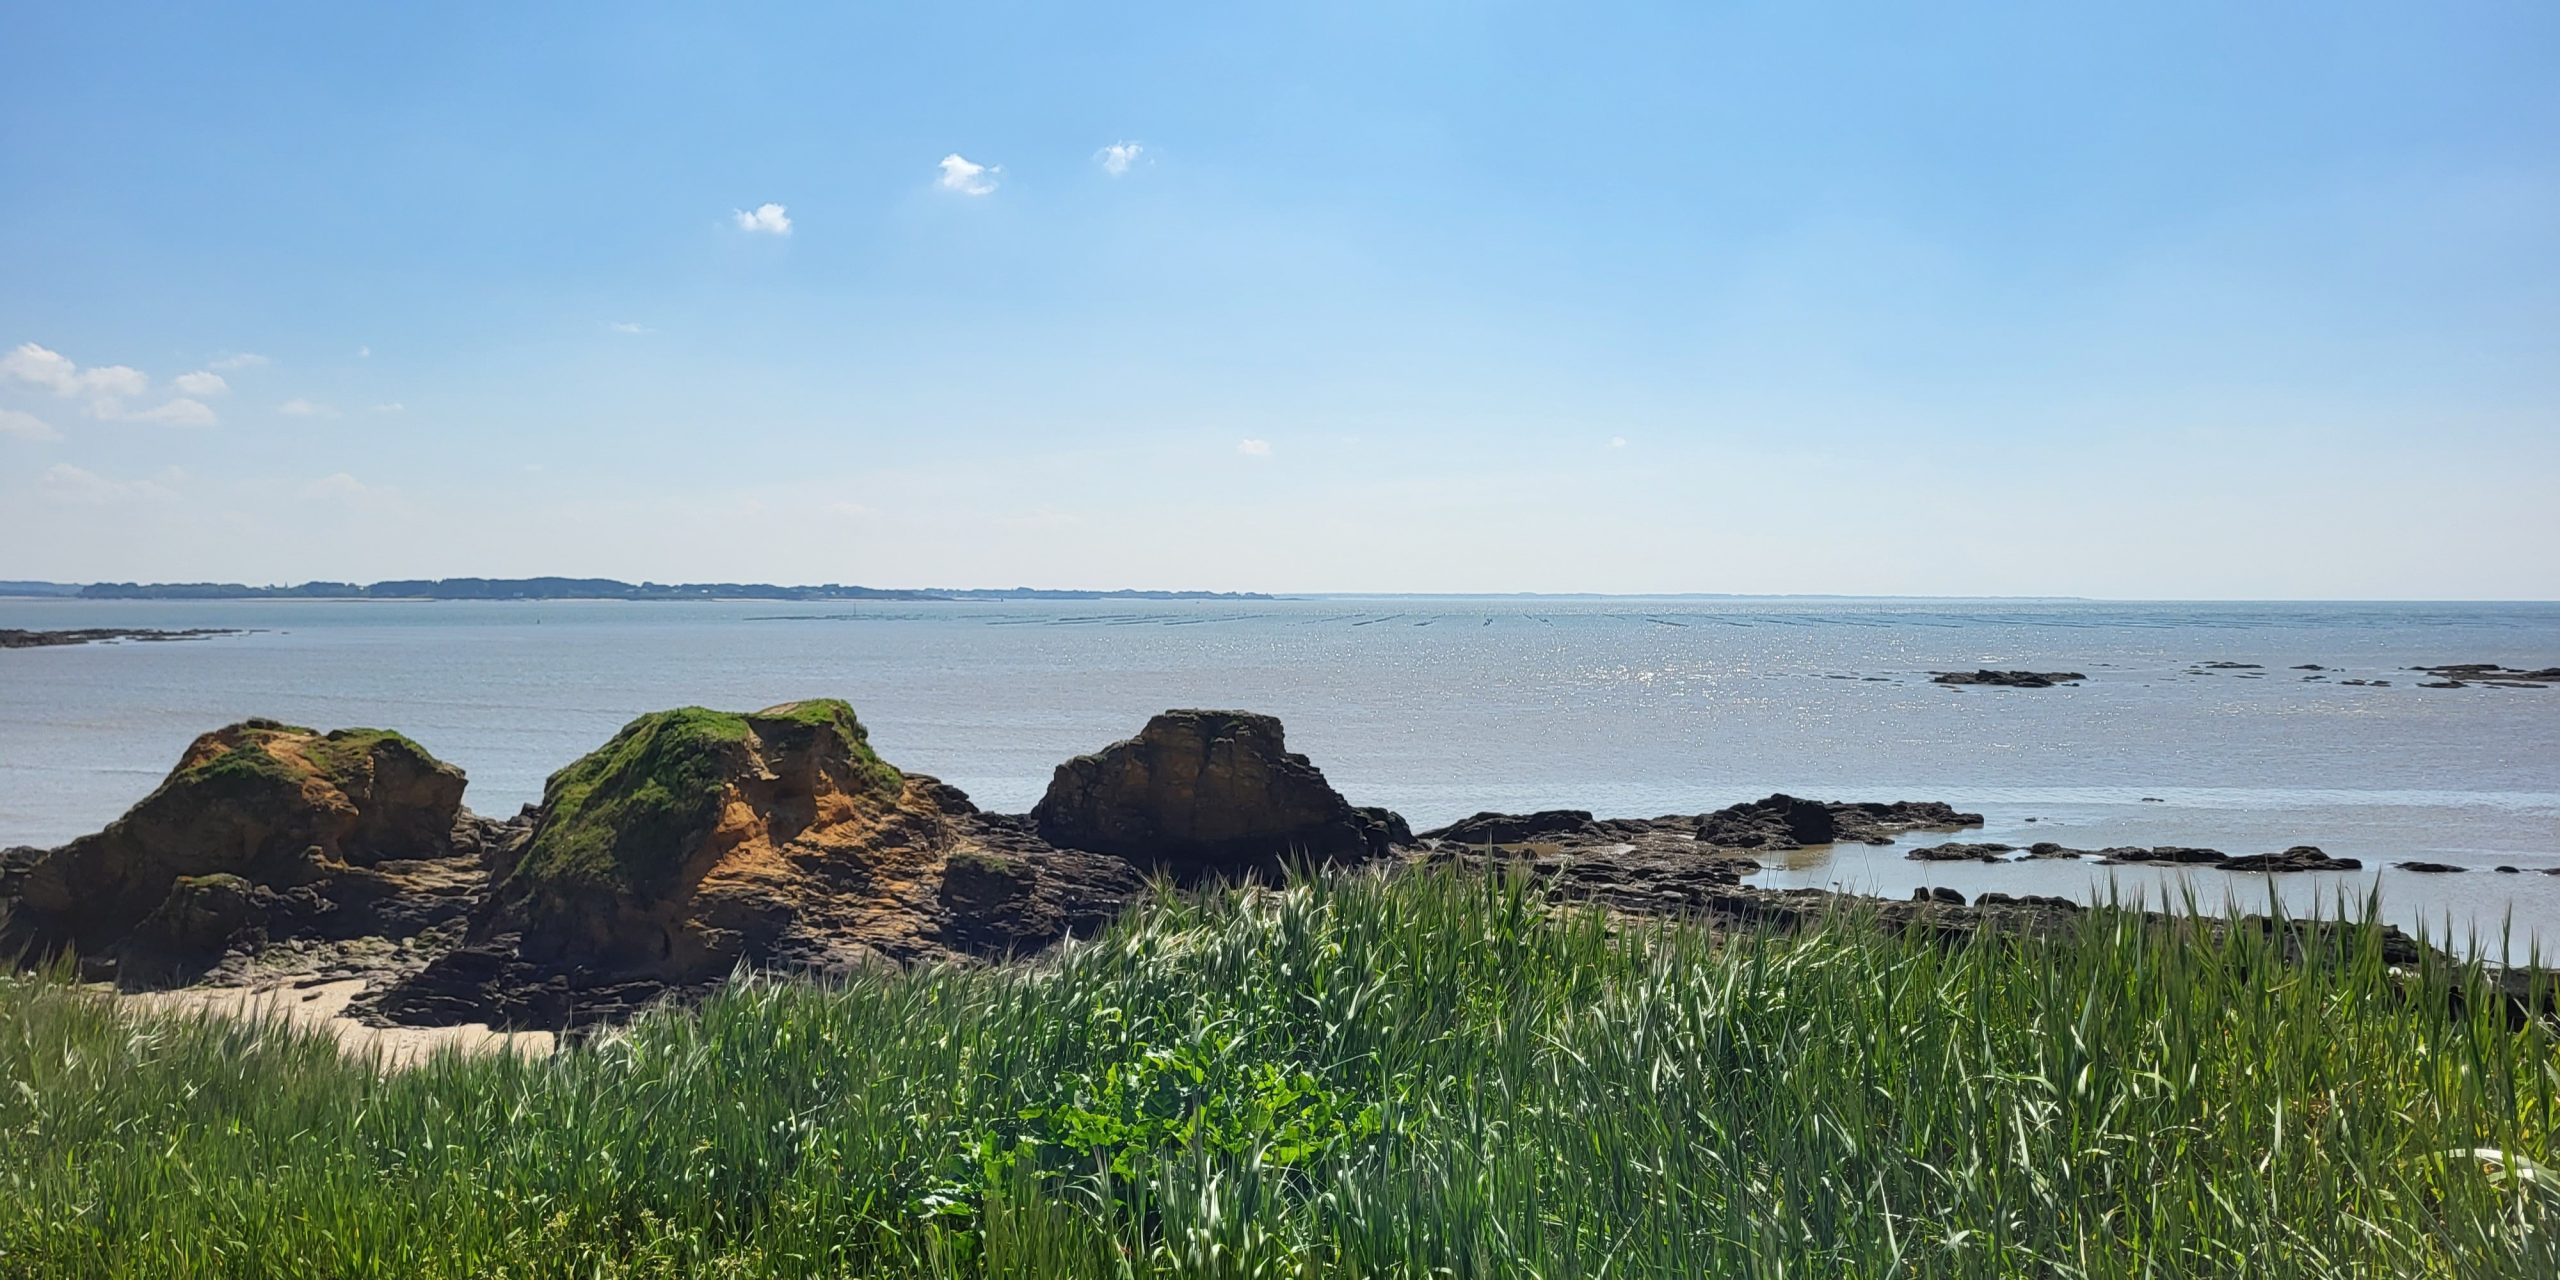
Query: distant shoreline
x,y
608,589
550,588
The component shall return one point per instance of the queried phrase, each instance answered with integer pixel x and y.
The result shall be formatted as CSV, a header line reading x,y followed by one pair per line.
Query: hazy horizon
x,y
2187,303
1298,594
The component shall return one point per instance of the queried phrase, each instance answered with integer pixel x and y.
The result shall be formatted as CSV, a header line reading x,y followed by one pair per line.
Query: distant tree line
x,y
581,589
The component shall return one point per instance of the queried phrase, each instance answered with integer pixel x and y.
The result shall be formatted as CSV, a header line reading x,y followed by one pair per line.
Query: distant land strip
x,y
568,589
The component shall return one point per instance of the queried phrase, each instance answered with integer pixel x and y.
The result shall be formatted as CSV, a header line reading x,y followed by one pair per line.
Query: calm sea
x,y
1441,707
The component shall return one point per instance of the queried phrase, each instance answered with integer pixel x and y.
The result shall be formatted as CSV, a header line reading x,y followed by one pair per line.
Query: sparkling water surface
x,y
1439,708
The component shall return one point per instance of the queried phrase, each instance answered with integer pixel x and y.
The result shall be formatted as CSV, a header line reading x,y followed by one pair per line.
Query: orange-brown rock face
x,y
1209,793
697,840
277,807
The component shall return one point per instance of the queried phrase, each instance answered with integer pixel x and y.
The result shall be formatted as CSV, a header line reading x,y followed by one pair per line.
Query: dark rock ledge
x,y
2008,679
2461,675
13,638
2301,857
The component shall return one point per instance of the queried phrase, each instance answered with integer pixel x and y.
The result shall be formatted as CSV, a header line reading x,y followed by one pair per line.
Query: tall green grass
x,y
1425,1075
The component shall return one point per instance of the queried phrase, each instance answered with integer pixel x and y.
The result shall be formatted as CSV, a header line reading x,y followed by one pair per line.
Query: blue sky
x,y
2186,300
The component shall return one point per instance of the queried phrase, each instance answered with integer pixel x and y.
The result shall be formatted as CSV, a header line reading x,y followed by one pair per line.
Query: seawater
x,y
1441,707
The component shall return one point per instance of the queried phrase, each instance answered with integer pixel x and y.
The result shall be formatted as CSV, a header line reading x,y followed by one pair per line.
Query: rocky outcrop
x,y
14,638
2301,857
2008,679
2431,868
2460,674
2167,855
1206,793
1519,828
1985,851
263,830
699,840
1786,822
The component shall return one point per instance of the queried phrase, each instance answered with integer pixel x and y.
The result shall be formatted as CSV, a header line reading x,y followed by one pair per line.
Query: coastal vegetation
x,y
1425,1073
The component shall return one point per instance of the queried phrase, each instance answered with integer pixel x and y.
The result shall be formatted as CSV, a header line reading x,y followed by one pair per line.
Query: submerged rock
x,y
2008,679
2167,855
1955,851
1209,793
2301,857
2452,676
2431,868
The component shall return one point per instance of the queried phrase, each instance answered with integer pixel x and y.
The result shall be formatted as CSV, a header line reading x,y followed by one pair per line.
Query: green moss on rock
x,y
625,816
343,754
246,753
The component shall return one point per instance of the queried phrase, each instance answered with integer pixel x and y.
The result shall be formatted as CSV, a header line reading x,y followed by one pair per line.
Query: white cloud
x,y
200,383
1617,442
66,483
364,352
238,360
1252,448
1117,157
767,219
966,178
301,408
26,426
181,412
630,326
39,366
336,485
389,406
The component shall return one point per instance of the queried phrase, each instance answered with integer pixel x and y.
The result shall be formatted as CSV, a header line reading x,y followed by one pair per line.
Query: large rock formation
x,y
1208,793
263,829
696,841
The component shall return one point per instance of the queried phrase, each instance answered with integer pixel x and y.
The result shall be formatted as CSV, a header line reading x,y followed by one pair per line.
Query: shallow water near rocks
x,y
1440,707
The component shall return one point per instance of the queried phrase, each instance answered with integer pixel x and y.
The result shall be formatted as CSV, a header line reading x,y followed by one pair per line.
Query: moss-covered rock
x,y
624,817
270,803
695,837
697,840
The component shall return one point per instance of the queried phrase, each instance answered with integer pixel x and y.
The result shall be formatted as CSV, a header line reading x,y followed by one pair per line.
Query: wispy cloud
x,y
66,483
630,326
180,412
302,408
202,382
26,426
48,369
958,174
336,485
1116,158
388,406
238,360
1617,442
1253,448
765,219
